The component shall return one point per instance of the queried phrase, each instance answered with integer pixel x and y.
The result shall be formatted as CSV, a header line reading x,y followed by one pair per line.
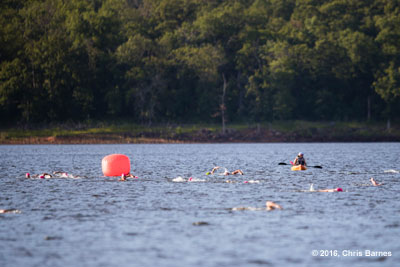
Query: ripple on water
x,y
393,225
260,262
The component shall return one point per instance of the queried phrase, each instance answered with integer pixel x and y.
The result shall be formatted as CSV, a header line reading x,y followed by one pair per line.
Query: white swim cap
x,y
301,154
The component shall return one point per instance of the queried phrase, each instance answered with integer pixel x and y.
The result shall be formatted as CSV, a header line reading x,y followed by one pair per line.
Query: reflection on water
x,y
164,218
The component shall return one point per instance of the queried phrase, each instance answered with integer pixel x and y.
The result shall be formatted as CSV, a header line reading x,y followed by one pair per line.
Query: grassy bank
x,y
124,132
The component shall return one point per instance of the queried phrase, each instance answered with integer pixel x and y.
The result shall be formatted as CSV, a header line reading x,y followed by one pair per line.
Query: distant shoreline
x,y
128,133
77,140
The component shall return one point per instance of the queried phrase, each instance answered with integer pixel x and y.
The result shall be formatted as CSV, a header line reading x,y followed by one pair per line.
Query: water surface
x,y
153,221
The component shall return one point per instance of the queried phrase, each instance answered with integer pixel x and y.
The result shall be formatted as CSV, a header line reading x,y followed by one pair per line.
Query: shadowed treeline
x,y
199,61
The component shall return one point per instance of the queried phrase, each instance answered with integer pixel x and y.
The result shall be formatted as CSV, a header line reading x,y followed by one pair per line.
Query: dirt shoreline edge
x,y
245,136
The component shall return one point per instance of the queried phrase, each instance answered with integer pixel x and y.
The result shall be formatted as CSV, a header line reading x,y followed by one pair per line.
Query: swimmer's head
x,y
300,154
339,189
41,176
190,179
27,175
226,173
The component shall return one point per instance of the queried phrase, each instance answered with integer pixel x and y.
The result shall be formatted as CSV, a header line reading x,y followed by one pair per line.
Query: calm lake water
x,y
154,221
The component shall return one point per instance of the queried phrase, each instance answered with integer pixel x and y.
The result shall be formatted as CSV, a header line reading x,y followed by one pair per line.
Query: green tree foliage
x,y
191,60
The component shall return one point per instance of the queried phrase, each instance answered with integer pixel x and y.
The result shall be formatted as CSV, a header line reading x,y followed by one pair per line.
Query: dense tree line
x,y
199,60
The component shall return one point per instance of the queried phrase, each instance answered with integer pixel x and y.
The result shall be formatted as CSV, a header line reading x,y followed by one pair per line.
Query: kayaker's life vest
x,y
301,161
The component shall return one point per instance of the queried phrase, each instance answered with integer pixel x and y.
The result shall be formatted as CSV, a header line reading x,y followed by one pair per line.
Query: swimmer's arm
x,y
375,183
214,169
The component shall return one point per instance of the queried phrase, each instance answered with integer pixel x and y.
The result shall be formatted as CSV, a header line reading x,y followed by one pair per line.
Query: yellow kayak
x,y
299,168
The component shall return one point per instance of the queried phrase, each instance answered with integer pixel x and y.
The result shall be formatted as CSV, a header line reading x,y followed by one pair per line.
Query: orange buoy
x,y
115,165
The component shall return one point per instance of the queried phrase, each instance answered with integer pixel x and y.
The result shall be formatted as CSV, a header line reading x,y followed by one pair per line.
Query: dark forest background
x,y
152,61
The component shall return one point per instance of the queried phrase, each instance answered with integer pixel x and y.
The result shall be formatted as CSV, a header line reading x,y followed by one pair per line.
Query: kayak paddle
x,y
317,166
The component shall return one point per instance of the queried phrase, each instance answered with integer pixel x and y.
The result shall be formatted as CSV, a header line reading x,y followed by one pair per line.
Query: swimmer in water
x,y
123,177
10,211
375,183
325,190
272,206
62,174
237,172
269,205
226,172
330,190
216,168
41,176
233,173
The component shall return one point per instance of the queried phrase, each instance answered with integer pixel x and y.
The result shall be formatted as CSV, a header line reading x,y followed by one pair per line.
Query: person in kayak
x,y
300,160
